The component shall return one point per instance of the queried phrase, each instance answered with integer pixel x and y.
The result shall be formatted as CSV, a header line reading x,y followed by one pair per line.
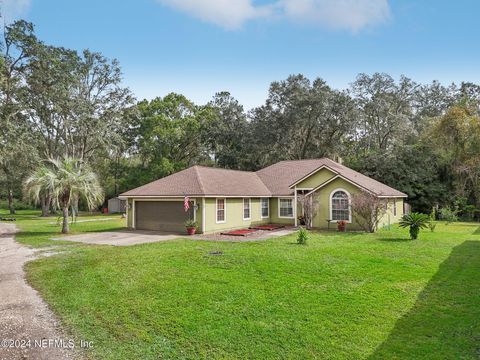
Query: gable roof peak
x,y
283,175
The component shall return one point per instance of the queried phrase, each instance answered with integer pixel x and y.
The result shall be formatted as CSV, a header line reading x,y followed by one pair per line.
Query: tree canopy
x,y
423,139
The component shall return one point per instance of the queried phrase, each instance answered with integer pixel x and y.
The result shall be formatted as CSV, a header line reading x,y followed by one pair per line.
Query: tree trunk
x,y
75,202
65,219
45,202
10,202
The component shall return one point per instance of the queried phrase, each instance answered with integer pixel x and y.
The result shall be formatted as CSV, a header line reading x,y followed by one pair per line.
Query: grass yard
x,y
36,231
343,296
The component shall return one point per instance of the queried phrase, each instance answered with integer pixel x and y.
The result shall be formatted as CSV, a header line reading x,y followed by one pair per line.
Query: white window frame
x,y
249,208
349,205
261,208
224,211
394,207
293,210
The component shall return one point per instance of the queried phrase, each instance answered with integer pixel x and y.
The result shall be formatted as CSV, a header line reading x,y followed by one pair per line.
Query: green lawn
x,y
343,296
36,231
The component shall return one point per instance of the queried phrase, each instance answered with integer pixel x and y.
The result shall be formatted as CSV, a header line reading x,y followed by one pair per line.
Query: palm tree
x,y
65,180
415,221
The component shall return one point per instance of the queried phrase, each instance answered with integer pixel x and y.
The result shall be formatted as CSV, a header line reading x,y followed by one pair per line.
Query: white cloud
x,y
352,15
338,14
230,14
13,9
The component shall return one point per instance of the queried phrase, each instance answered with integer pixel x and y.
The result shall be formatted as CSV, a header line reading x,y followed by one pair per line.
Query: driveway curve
x,y
28,328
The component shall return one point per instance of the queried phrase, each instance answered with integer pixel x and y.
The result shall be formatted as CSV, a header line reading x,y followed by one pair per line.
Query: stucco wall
x,y
389,218
323,195
233,214
198,214
274,218
129,214
316,179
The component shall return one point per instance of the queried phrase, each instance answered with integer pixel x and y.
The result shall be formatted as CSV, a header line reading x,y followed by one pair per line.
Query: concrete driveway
x,y
129,237
121,238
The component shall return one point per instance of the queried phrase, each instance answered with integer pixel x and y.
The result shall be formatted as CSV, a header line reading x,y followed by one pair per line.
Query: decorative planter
x,y
191,230
342,226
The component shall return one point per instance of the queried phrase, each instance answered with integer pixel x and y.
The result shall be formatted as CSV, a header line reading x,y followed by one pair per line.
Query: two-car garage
x,y
161,215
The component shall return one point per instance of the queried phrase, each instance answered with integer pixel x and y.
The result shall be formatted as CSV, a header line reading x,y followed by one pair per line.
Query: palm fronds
x,y
64,180
415,221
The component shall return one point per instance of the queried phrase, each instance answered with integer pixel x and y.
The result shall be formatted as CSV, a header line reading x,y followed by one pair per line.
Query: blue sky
x,y
199,47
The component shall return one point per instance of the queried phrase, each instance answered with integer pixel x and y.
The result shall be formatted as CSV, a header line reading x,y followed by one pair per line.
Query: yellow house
x,y
220,199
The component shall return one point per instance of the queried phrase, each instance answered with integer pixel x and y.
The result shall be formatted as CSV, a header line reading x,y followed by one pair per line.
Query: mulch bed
x,y
252,236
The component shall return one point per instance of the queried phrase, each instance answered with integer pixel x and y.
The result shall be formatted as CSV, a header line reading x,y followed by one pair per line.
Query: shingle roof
x,y
275,180
204,181
280,176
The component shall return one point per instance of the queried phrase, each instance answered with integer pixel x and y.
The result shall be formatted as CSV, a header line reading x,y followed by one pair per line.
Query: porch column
x,y
133,214
295,205
203,215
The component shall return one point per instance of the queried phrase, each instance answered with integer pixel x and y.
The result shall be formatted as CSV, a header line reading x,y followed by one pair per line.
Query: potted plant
x,y
301,219
341,225
191,226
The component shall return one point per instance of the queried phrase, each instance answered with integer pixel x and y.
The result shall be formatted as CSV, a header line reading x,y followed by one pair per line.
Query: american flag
x,y
186,203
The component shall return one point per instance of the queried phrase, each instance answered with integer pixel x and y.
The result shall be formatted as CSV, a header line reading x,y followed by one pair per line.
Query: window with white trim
x,y
394,207
286,208
220,210
265,207
340,206
246,209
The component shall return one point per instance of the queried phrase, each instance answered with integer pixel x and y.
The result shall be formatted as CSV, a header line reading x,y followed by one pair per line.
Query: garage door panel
x,y
160,216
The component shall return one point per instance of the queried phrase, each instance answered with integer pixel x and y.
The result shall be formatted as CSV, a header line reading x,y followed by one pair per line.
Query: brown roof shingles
x,y
178,184
274,180
217,181
282,175
204,181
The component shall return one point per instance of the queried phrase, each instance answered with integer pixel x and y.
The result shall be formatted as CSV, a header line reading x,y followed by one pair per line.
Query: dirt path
x,y
24,316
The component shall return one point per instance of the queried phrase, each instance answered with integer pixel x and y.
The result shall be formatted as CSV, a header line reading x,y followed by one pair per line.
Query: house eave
x,y
124,197
393,196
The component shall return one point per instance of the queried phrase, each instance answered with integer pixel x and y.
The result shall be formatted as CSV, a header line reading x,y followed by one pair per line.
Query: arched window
x,y
339,206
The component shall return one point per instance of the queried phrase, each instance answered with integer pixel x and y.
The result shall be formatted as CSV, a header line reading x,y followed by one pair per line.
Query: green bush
x,y
448,214
433,216
415,221
17,204
190,223
470,212
302,236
